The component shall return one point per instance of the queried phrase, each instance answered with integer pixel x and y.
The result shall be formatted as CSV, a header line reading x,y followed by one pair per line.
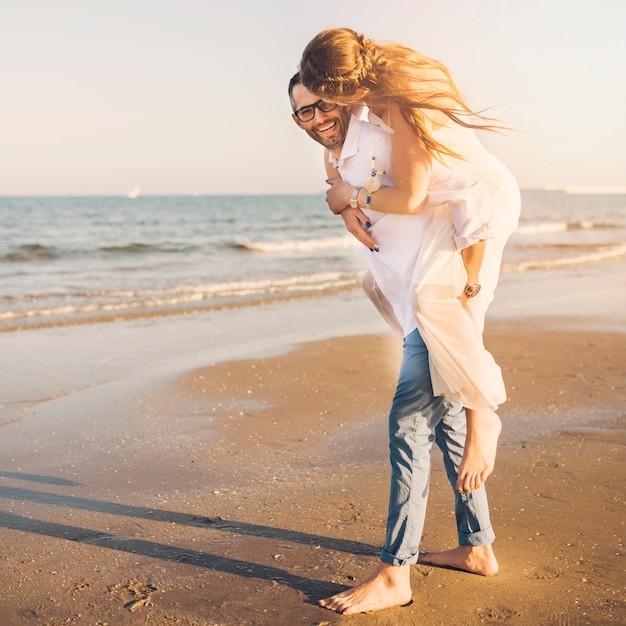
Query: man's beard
x,y
338,136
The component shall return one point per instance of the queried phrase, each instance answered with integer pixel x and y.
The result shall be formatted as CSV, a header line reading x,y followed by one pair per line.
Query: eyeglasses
x,y
307,113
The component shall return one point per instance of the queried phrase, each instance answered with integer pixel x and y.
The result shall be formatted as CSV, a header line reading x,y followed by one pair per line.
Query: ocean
x,y
66,260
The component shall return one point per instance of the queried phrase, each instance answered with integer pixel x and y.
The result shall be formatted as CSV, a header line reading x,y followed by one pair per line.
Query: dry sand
x,y
242,492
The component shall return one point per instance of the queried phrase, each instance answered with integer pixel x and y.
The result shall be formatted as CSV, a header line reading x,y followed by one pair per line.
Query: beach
x,y
230,467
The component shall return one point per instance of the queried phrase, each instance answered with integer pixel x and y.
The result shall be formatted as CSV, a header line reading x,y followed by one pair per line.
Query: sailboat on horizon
x,y
135,191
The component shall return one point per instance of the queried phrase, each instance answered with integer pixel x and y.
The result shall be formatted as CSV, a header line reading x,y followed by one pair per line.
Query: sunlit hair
x,y
341,65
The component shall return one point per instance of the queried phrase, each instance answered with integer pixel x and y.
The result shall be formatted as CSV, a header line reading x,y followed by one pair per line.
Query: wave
x,y
603,191
542,228
31,252
610,253
95,302
143,248
296,245
90,306
40,252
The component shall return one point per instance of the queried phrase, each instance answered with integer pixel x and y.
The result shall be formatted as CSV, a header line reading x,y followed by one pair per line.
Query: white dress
x,y
416,277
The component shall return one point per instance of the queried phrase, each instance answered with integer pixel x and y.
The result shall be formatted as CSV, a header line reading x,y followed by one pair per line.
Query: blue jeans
x,y
416,420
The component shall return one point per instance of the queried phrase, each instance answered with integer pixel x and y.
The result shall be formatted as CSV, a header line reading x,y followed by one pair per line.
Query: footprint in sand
x,y
134,594
498,615
562,620
542,573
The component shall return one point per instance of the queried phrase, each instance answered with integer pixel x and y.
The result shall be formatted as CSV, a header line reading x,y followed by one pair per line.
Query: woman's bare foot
x,y
479,457
473,559
388,586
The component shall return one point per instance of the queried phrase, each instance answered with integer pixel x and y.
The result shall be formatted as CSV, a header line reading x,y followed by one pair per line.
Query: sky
x,y
190,96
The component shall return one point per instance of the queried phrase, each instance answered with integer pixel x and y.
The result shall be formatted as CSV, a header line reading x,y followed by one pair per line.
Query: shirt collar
x,y
350,144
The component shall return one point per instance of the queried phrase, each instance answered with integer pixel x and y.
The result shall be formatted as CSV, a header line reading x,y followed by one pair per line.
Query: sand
x,y
161,472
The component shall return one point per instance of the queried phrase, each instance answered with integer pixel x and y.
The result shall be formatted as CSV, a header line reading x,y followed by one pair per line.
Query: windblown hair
x,y
341,65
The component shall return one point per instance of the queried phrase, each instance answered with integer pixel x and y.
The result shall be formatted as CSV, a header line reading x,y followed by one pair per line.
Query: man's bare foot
x,y
479,457
473,559
388,586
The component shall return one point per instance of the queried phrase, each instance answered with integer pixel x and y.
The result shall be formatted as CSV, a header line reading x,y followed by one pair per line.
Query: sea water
x,y
87,259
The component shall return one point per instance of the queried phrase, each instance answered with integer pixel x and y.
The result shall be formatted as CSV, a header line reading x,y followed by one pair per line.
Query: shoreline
x,y
231,469
548,297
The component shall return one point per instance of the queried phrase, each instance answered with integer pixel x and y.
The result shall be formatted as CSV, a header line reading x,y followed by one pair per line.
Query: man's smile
x,y
326,127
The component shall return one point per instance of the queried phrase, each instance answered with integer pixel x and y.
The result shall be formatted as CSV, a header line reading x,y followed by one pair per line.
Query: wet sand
x,y
171,485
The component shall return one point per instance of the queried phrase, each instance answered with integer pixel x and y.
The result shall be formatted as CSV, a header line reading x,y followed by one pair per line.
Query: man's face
x,y
330,128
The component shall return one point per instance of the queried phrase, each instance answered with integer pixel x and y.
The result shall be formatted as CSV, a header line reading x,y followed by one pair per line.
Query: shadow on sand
x,y
311,588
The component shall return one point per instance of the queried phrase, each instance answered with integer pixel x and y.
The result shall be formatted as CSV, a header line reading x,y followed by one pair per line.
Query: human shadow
x,y
39,478
311,588
187,519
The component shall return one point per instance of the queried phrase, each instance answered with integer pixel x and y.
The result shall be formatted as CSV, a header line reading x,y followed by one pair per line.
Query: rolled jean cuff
x,y
483,537
390,559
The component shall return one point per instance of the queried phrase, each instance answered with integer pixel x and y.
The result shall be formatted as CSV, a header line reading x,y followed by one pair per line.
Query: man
x,y
416,418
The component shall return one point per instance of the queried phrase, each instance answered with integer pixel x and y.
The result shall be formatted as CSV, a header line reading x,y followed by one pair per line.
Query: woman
x,y
416,98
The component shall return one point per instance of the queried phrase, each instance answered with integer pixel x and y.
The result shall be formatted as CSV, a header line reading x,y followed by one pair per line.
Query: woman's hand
x,y
339,194
357,224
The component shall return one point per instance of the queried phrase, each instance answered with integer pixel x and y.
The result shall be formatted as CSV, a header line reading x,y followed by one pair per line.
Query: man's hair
x,y
295,80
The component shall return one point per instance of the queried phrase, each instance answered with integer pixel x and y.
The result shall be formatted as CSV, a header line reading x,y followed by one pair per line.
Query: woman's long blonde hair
x,y
341,65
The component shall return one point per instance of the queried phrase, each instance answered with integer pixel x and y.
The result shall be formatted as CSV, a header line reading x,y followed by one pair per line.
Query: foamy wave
x,y
119,301
297,245
586,190
612,253
142,248
539,228
30,252
40,252
603,191
543,228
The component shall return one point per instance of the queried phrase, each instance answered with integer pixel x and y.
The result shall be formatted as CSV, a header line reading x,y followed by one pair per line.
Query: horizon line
x,y
568,189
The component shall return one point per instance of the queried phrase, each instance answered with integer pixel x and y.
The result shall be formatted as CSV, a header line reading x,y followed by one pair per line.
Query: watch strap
x,y
354,199
471,290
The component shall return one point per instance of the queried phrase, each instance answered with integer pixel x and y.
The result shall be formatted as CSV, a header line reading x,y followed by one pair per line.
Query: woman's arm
x,y
411,169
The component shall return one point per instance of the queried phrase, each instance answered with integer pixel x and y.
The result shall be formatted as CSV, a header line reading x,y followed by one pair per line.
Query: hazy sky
x,y
190,95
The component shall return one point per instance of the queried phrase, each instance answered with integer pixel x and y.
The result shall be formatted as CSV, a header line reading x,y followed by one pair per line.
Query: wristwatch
x,y
354,199
471,290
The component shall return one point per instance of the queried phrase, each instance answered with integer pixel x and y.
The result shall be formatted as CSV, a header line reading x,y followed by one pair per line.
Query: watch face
x,y
471,290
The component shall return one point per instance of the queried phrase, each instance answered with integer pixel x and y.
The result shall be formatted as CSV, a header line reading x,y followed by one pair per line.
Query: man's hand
x,y
357,224
339,194
463,299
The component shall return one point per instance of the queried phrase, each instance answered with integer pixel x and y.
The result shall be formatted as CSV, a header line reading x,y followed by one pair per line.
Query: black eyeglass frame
x,y
322,105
